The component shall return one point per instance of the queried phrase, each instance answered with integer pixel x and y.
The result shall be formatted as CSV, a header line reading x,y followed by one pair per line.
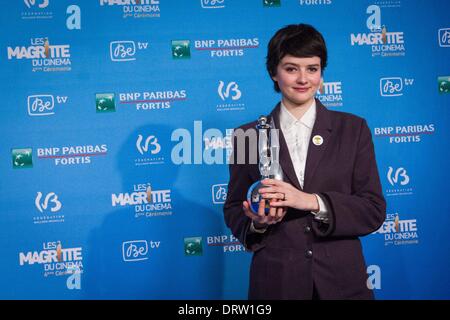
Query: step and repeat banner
x,y
116,119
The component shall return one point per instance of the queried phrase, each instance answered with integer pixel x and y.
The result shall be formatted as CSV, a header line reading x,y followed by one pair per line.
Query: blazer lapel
x,y
316,150
285,158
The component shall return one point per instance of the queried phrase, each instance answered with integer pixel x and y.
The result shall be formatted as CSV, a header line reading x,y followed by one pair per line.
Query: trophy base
x,y
254,197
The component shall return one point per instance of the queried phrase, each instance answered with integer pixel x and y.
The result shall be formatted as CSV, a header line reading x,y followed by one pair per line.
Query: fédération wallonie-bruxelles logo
x,y
381,39
230,95
399,182
148,150
49,206
36,9
45,56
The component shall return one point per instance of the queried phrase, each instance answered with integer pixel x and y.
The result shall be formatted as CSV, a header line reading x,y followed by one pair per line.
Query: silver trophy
x,y
269,164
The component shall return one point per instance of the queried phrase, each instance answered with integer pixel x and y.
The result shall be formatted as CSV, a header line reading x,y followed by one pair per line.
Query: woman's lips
x,y
301,89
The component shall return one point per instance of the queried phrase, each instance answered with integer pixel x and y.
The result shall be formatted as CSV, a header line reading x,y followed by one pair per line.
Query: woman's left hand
x,y
286,195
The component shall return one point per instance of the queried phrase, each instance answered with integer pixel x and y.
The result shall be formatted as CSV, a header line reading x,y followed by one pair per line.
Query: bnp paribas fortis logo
x,y
22,158
105,102
271,3
193,246
181,49
444,84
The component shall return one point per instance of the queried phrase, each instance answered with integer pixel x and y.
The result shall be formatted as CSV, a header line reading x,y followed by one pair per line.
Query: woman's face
x,y
298,79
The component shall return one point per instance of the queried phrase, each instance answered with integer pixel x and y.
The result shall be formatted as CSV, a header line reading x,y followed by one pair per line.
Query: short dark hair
x,y
298,40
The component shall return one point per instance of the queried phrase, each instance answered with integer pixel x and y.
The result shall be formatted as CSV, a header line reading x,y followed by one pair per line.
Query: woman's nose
x,y
301,77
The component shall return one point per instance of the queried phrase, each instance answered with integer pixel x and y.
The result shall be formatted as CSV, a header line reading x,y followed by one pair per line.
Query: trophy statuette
x,y
269,165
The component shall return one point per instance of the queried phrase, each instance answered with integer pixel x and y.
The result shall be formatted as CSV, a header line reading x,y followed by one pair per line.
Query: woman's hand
x,y
262,220
286,195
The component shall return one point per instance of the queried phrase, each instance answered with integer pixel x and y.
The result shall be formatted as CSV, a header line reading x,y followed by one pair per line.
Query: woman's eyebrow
x,y
296,65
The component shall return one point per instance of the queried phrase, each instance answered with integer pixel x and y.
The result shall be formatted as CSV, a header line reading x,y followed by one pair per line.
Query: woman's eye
x,y
290,69
313,69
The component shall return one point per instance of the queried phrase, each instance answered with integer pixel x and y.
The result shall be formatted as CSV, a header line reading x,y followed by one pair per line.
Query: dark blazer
x,y
300,251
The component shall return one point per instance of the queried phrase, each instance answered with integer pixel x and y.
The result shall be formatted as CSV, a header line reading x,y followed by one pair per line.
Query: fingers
x,y
246,208
275,215
274,182
271,189
279,204
280,188
280,213
262,208
249,213
272,212
274,196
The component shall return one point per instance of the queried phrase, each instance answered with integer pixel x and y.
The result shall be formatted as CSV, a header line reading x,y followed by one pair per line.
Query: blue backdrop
x,y
115,127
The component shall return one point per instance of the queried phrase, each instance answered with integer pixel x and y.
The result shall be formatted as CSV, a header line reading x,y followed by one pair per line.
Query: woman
x,y
307,246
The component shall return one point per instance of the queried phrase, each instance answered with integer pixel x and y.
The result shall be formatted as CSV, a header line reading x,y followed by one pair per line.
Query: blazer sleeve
x,y
238,185
363,210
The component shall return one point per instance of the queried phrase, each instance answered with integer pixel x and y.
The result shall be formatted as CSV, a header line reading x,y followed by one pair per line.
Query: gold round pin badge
x,y
317,140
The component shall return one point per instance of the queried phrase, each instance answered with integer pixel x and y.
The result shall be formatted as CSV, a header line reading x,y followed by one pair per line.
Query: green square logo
x,y
271,3
22,158
181,49
444,84
104,102
193,246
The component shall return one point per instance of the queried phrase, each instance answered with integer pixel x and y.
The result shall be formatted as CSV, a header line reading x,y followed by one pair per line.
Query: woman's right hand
x,y
261,220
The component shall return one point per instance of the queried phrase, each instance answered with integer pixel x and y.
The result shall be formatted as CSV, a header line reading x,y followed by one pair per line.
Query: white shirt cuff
x,y
323,212
253,229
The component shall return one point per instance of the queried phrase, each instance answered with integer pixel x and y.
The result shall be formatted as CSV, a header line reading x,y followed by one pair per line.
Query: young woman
x,y
307,246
